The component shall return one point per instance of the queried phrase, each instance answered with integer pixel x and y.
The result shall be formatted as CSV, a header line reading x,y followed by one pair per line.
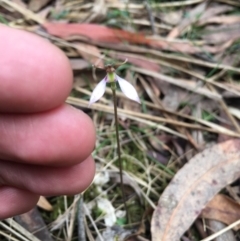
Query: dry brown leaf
x,y
222,33
193,187
158,157
36,5
20,3
33,222
216,226
24,11
222,20
222,208
44,204
90,53
183,83
192,17
226,124
200,15
173,96
160,142
136,59
98,12
98,34
171,17
45,12
212,11
127,181
95,32
79,64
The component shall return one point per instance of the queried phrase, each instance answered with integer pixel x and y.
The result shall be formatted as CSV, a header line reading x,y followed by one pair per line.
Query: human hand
x,y
45,145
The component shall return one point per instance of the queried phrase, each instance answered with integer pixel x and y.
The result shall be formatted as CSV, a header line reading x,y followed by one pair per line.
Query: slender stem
x,y
113,87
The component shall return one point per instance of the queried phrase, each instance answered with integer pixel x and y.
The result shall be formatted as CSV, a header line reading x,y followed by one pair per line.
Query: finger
x,y
14,201
62,136
48,181
35,75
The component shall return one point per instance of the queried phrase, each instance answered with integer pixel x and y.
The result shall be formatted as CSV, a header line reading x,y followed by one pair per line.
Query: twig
x,y
144,118
213,236
80,217
93,223
151,17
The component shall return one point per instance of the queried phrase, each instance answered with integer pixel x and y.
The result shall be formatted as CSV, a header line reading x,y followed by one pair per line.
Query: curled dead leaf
x,y
224,209
44,204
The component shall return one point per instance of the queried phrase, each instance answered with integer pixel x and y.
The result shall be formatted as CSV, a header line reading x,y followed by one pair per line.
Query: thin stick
x,y
151,17
113,87
92,222
81,218
213,236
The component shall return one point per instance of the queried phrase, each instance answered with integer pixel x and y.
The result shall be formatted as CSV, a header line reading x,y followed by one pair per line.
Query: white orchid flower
x,y
111,76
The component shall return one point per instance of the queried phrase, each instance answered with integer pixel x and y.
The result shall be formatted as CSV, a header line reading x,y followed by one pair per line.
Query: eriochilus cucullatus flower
x,y
112,78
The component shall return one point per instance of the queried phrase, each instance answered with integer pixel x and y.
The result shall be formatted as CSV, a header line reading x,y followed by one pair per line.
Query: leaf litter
x,y
178,147
193,187
222,208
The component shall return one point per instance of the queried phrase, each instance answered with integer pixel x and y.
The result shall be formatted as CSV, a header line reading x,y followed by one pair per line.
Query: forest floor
x,y
183,59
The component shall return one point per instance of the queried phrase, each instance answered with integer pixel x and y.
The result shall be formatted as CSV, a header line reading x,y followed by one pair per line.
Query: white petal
x,y
106,206
98,91
128,89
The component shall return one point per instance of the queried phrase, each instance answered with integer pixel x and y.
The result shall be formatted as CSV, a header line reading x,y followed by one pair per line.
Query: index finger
x,y
34,74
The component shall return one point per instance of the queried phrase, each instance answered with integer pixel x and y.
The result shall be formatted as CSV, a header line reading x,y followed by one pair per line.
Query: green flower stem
x,y
113,87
